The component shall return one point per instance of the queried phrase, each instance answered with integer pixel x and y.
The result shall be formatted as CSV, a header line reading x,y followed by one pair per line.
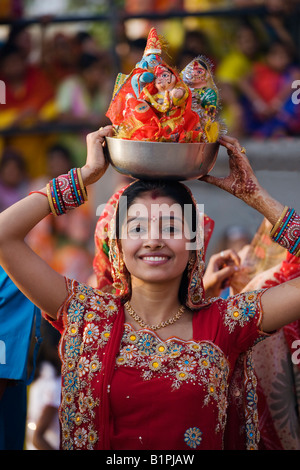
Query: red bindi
x,y
154,194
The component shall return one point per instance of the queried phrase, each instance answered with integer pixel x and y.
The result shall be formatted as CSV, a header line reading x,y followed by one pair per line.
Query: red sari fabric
x,y
127,389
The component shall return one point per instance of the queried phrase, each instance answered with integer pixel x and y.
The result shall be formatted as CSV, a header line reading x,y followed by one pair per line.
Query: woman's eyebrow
x,y
164,217
135,217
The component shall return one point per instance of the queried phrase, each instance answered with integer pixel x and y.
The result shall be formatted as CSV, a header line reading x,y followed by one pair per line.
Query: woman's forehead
x,y
149,205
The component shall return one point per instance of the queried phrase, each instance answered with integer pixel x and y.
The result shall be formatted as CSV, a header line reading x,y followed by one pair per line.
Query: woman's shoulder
x,y
237,317
85,304
91,297
233,311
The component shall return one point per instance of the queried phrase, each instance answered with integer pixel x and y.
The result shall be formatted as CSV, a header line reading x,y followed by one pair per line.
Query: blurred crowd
x,y
59,85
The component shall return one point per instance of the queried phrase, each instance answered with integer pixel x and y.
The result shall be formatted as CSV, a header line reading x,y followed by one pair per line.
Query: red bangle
x,y
37,192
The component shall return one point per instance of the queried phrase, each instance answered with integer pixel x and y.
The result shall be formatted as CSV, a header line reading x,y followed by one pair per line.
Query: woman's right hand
x,y
96,163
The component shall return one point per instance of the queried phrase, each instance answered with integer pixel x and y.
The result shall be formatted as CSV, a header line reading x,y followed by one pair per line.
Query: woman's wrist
x,y
286,231
264,203
90,177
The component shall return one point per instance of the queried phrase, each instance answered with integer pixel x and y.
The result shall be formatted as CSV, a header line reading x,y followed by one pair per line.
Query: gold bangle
x,y
82,187
297,253
50,199
275,227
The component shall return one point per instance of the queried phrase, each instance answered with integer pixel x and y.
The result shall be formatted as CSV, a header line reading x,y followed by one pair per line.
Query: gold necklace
x,y
162,324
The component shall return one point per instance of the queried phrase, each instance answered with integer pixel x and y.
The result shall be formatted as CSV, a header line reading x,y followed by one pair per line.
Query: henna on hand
x,y
242,182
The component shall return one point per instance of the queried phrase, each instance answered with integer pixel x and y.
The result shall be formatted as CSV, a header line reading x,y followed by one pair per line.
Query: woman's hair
x,y
173,189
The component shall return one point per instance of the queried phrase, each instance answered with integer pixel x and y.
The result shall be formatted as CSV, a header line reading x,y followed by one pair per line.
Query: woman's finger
x,y
213,180
232,145
230,257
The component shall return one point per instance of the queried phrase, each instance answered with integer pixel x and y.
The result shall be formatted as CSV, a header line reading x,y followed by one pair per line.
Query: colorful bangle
x,y
58,195
83,188
279,221
66,192
54,197
286,231
75,185
50,199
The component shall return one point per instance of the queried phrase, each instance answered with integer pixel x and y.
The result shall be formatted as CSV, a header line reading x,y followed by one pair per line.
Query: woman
x,y
149,367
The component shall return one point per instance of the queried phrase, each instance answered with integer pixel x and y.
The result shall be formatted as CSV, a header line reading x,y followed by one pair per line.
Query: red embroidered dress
x,y
128,389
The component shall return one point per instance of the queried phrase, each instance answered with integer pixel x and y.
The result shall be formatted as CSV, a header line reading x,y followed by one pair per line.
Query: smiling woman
x,y
156,225
146,346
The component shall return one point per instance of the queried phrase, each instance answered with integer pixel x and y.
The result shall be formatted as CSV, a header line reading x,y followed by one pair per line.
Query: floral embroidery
x,y
147,344
76,312
83,366
111,308
80,437
200,363
252,431
187,362
89,317
72,348
96,303
90,314
71,382
241,308
193,437
91,333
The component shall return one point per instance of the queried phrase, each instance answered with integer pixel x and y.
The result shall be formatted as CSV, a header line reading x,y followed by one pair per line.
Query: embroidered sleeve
x,y
242,317
82,305
87,317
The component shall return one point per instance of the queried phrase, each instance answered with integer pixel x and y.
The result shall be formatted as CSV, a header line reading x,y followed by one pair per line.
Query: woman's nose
x,y
154,240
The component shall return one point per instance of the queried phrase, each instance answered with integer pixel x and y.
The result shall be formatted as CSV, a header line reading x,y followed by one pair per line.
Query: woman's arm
x,y
35,278
281,304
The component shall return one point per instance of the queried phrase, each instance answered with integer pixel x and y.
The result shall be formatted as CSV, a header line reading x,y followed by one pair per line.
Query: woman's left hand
x,y
220,269
241,181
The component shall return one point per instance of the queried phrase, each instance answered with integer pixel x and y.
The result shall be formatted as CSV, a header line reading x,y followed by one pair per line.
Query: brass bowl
x,y
161,160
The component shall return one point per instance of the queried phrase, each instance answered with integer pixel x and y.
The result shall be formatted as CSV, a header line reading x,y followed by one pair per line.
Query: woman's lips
x,y
155,259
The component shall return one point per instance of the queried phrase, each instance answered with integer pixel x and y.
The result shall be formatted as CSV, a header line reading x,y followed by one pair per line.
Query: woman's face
x,y
154,239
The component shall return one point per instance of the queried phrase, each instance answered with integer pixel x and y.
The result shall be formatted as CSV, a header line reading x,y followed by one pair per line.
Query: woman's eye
x,y
136,229
170,229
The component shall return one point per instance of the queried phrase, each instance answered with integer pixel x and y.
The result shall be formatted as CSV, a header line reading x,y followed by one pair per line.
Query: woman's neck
x,y
155,303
